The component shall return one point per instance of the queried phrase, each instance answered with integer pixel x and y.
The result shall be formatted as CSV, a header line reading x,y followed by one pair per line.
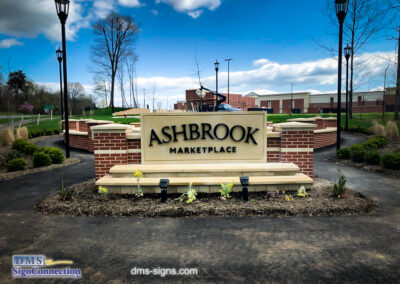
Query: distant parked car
x,y
228,108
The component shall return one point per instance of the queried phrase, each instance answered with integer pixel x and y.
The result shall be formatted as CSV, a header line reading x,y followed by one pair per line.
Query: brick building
x,y
193,101
315,103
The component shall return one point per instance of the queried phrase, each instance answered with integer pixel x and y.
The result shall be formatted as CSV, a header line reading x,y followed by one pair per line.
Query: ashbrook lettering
x,y
203,131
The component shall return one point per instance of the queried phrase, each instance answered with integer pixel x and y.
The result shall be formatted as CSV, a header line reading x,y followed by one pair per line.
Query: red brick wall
x,y
134,158
324,139
109,141
78,141
273,156
292,139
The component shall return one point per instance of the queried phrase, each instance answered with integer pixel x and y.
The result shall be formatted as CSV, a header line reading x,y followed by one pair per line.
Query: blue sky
x,y
271,43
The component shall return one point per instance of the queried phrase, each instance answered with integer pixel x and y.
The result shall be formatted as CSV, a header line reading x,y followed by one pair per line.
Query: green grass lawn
x,y
359,120
46,124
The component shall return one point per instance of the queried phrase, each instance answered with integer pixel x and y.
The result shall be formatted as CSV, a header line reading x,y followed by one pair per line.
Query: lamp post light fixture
x,y
62,7
228,60
216,65
60,58
341,12
347,54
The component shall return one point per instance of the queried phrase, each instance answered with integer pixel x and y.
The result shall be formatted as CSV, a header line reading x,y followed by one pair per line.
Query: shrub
x,y
226,190
377,129
372,157
343,153
48,132
391,130
30,148
56,155
369,145
7,136
359,129
357,153
17,164
14,154
56,131
379,140
41,159
339,188
391,161
19,144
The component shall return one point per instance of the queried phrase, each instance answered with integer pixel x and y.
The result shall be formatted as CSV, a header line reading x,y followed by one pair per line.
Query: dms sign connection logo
x,y
38,266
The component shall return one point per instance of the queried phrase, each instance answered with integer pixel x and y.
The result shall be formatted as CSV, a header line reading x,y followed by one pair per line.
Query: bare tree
x,y
120,76
365,18
75,92
115,36
131,69
101,89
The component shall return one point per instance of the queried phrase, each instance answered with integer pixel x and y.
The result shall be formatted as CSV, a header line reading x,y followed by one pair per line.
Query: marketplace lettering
x,y
203,131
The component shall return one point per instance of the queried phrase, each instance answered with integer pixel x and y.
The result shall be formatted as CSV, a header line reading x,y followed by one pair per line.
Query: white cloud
x,y
195,14
192,7
129,3
268,77
9,42
33,17
155,12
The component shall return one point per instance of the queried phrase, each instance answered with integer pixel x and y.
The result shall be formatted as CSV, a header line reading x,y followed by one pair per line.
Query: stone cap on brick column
x,y
326,130
329,118
110,128
94,121
303,119
294,126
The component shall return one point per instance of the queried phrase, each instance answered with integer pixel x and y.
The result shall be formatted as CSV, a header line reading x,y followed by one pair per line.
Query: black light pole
x,y
59,58
62,7
216,65
228,60
347,54
341,12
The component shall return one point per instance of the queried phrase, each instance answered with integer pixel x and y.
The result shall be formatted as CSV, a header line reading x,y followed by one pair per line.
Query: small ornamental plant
x,y
103,191
339,188
189,195
301,192
138,174
226,190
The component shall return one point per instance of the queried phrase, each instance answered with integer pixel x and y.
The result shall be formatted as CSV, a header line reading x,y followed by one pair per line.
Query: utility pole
x,y
144,98
228,60
384,95
291,99
397,101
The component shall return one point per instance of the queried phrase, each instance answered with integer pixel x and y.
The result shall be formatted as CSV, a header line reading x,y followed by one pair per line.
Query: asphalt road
x,y
357,249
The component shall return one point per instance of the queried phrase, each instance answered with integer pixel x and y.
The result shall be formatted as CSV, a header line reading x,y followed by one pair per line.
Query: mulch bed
x,y
86,201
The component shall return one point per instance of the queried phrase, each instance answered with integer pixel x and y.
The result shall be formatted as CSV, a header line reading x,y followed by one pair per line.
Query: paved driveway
x,y
362,249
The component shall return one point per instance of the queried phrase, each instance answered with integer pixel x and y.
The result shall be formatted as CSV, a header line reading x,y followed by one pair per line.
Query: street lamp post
x,y
216,65
62,7
347,54
228,60
59,58
341,12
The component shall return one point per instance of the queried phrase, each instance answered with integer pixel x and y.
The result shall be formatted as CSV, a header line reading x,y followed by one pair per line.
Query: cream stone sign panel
x,y
203,137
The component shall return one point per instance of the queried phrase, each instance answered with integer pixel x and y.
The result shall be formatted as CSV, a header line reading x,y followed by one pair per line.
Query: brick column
x,y
91,123
110,147
297,145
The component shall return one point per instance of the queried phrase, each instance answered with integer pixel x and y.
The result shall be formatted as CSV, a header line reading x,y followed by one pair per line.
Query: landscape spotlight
x,y
62,7
245,182
347,54
341,12
164,186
